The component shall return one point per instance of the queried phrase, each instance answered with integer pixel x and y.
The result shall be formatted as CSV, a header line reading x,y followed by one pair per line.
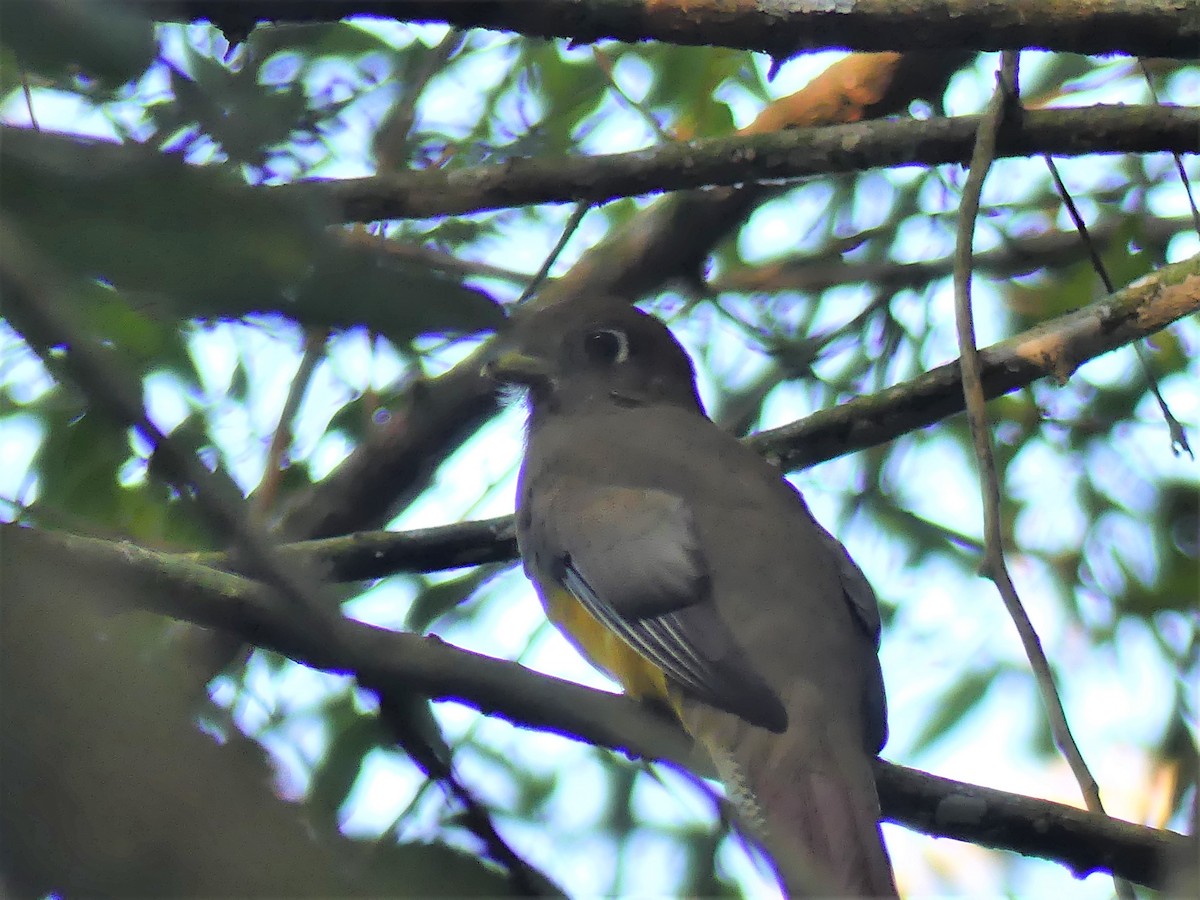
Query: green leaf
x,y
1177,522
244,117
1178,749
685,80
98,38
113,320
145,221
76,465
571,89
333,779
438,599
11,73
201,243
353,284
342,39
959,700
1071,287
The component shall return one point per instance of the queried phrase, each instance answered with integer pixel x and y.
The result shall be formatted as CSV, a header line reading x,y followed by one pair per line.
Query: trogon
x,y
682,563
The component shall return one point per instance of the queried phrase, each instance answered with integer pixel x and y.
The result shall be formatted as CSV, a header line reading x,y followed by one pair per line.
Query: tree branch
x,y
1055,348
1016,256
774,156
366,555
37,308
668,240
1136,27
1083,842
176,587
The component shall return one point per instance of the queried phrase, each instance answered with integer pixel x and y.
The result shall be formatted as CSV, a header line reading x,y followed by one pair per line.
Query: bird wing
x,y
633,559
864,606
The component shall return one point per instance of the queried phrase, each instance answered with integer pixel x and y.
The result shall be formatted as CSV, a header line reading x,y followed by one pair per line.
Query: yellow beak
x,y
514,367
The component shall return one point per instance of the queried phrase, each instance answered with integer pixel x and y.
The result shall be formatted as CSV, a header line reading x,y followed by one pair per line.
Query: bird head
x,y
593,350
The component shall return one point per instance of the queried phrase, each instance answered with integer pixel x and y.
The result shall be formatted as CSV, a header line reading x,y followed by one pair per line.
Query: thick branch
x,y
991,818
1136,27
1054,348
789,154
186,590
398,459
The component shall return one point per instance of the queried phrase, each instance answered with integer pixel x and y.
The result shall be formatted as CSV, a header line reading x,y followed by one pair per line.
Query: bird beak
x,y
514,367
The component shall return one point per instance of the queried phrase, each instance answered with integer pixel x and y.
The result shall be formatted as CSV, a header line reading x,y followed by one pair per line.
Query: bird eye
x,y
606,345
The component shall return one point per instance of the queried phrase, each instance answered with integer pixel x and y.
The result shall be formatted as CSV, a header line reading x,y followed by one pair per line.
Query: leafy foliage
x,y
171,248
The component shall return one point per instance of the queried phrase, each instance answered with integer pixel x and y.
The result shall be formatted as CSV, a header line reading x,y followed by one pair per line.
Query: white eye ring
x,y
612,352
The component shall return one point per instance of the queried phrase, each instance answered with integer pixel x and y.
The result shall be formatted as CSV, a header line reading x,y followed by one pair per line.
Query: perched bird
x,y
682,563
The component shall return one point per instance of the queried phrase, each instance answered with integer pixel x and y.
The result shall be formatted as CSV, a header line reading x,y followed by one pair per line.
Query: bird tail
x,y
816,814
831,829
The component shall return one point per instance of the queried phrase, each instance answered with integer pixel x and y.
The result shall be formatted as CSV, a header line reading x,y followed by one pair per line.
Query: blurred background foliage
x,y
279,345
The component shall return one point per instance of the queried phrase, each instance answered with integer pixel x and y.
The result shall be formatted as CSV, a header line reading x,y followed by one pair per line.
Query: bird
x,y
685,566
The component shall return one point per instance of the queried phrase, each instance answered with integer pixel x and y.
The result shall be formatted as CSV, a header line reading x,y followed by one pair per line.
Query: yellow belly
x,y
604,649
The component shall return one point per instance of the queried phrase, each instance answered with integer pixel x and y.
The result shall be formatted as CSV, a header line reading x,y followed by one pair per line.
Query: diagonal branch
x,y
263,496
176,587
1055,348
775,156
1137,27
37,306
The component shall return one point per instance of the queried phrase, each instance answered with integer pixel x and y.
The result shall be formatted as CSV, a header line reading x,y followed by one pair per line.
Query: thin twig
x,y
263,497
568,231
391,141
1183,175
605,64
393,712
467,739
1179,439
38,309
994,566
29,100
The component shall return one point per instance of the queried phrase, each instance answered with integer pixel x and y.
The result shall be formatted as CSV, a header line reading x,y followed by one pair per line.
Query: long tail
x,y
838,824
816,813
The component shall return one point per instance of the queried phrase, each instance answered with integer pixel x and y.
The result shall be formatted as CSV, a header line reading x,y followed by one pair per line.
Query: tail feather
x,y
839,825
815,812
